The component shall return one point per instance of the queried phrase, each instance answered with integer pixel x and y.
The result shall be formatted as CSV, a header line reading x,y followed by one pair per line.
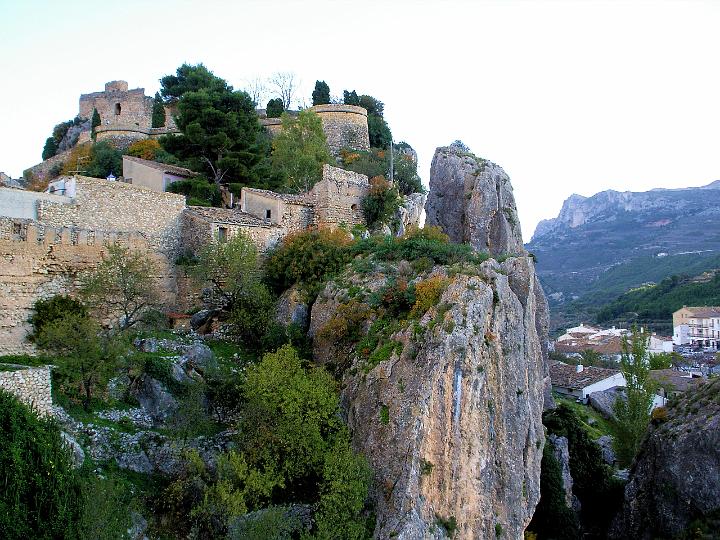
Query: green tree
x,y
233,271
381,202
350,98
86,356
274,108
321,93
50,148
590,357
121,287
291,417
104,159
379,132
663,360
220,134
158,111
632,416
372,105
52,309
300,150
41,493
95,121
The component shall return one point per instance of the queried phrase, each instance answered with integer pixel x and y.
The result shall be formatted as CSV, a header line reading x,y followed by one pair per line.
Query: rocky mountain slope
x,y
674,484
613,241
447,404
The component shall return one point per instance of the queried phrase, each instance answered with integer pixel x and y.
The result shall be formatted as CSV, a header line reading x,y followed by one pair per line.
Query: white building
x,y
697,326
579,381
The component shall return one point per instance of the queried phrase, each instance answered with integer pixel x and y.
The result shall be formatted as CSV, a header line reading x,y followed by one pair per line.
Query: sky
x,y
567,96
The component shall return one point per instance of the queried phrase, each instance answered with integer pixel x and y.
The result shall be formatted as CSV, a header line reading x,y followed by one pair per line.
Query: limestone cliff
x,y
674,479
451,420
472,200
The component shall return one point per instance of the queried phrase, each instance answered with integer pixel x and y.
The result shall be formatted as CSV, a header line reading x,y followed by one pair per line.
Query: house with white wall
x,y
580,381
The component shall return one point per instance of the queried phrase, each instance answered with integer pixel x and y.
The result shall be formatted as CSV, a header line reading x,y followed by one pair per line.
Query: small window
x,y
353,207
268,214
222,234
118,109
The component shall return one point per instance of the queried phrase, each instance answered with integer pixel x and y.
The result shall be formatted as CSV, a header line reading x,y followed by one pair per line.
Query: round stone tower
x,y
345,126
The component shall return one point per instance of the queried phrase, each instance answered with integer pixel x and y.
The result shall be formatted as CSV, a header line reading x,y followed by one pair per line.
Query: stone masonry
x,y
345,126
31,386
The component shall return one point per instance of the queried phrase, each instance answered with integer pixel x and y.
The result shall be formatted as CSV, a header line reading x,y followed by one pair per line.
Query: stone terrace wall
x,y
37,262
339,197
116,206
31,386
345,126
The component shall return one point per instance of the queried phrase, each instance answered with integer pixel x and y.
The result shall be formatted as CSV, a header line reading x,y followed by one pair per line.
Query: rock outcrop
x,y
674,479
410,212
472,200
451,420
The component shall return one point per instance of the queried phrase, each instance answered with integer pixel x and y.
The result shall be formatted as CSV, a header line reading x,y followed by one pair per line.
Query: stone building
x,y
151,174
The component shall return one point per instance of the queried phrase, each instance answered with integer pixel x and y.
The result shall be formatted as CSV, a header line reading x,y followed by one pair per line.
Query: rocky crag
x,y
472,200
674,484
447,407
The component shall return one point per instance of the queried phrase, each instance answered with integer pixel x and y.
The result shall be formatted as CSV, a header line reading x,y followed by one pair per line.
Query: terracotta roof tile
x,y
566,375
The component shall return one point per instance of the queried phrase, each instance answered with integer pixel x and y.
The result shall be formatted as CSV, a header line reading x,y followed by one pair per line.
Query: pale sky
x,y
567,96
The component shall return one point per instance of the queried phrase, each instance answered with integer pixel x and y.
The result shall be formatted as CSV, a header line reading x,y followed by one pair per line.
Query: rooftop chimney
x,y
579,368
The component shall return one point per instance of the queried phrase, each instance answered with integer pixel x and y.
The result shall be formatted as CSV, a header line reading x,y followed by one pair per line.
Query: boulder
x,y
76,452
177,372
200,318
199,356
153,397
138,526
604,401
135,460
292,308
410,212
675,478
149,345
606,446
472,200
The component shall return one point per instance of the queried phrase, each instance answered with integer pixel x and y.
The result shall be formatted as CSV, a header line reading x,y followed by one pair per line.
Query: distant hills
x,y
599,247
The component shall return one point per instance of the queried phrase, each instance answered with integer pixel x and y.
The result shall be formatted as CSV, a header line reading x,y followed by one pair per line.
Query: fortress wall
x,y
339,197
38,262
32,386
18,203
345,126
135,106
116,206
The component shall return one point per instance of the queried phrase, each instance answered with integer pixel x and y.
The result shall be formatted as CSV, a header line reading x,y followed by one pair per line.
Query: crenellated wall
x,y
38,262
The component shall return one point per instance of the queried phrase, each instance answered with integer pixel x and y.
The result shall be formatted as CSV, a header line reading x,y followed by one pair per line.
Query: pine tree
x,y
158,112
274,108
351,98
321,94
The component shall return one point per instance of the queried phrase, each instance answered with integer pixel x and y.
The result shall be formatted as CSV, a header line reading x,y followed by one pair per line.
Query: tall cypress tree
x,y
321,94
158,112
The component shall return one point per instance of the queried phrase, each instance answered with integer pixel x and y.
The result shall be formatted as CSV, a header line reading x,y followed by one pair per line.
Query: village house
x,y
672,382
580,381
608,343
151,174
697,326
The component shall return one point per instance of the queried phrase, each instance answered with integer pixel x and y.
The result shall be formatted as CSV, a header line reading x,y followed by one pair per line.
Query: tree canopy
x,y
321,93
219,130
299,151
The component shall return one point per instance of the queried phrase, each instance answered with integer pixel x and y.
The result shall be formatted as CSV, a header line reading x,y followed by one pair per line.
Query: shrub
x,y
78,159
308,258
145,149
50,148
417,248
381,202
104,159
197,190
379,132
274,108
53,309
41,494
427,295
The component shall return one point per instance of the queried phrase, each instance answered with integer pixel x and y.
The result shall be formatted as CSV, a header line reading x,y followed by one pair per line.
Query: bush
x,y
308,258
53,309
197,190
145,149
50,148
427,295
379,132
381,202
104,159
41,493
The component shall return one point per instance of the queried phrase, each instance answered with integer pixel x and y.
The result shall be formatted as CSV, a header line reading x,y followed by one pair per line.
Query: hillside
x,y
601,246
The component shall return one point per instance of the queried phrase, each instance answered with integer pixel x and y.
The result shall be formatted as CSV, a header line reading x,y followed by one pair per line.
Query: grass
x,y
599,427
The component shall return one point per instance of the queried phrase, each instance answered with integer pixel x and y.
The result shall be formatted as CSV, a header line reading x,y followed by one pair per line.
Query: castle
x,y
47,239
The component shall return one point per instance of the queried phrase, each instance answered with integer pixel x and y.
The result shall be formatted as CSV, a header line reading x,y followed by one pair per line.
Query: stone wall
x,y
119,207
38,262
31,386
18,203
339,197
345,126
42,170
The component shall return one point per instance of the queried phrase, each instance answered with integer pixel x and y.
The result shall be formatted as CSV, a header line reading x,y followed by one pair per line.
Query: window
x,y
222,234
118,109
268,214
